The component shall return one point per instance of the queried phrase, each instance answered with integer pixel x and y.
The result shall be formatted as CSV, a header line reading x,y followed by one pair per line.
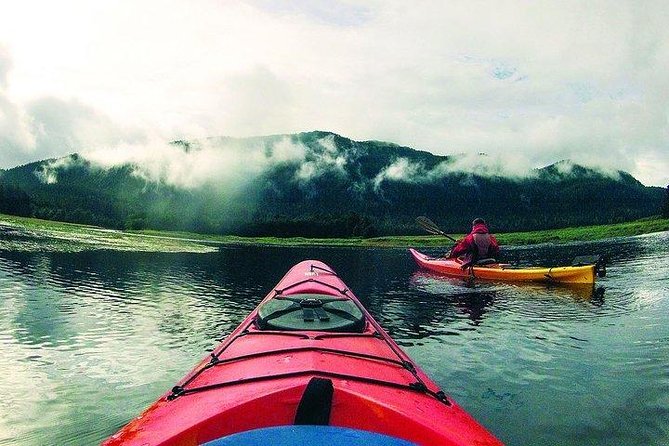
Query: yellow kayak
x,y
500,271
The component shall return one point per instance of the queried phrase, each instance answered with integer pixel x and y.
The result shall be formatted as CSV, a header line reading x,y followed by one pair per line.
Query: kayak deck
x,y
453,267
308,354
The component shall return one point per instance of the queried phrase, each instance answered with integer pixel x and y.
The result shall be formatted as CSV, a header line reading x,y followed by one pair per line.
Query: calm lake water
x,y
90,338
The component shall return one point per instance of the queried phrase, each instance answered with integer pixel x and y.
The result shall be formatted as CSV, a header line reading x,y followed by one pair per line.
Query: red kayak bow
x,y
309,355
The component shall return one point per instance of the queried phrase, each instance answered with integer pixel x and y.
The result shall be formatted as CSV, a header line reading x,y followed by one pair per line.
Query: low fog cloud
x,y
326,160
470,164
214,162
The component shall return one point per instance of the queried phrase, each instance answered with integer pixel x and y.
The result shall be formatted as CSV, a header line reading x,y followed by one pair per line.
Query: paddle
x,y
432,228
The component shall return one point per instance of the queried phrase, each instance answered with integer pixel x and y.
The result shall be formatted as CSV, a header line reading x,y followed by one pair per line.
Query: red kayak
x,y
308,366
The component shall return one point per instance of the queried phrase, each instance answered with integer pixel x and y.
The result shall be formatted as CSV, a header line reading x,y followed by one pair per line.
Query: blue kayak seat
x,y
308,435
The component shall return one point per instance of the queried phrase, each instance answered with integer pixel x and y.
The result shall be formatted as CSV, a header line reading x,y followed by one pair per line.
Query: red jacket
x,y
479,244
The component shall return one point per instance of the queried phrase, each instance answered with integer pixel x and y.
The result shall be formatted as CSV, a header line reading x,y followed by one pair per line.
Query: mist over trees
x,y
319,184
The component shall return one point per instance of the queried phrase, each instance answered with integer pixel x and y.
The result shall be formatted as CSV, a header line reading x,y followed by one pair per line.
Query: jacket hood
x,y
480,228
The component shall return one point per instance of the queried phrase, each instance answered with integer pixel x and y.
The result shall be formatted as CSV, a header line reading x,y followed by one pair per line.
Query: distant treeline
x,y
573,206
321,225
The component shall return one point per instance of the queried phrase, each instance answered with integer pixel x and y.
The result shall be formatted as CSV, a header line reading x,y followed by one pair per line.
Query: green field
x,y
51,235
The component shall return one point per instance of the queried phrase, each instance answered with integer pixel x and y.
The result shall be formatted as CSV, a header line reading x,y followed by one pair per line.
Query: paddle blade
x,y
432,227
428,225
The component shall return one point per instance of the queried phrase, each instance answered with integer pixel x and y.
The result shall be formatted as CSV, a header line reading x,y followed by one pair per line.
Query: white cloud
x,y
326,160
48,172
486,165
5,66
542,81
16,138
479,164
400,170
226,164
70,126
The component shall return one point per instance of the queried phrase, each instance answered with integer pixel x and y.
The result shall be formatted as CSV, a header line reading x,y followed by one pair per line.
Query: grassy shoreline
x,y
564,235
185,240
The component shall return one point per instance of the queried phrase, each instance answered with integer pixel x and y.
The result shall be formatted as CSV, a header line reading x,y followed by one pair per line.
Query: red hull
x,y
257,378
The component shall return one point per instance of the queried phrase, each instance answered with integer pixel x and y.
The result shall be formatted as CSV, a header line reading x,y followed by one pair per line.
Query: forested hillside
x,y
327,185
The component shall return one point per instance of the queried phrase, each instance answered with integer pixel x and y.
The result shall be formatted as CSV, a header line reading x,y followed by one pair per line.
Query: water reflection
x,y
474,298
470,299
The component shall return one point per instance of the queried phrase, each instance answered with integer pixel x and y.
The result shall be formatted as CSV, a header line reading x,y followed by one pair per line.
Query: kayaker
x,y
477,245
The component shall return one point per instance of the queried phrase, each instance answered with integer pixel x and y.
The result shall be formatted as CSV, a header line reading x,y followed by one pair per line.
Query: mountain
x,y
316,184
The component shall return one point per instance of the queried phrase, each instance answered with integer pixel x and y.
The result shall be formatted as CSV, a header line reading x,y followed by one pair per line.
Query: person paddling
x,y
479,244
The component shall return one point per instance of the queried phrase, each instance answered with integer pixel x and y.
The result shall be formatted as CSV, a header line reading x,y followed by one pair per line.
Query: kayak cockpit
x,y
311,312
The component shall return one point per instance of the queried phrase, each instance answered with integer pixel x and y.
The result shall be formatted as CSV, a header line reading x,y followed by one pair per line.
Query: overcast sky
x,y
534,82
